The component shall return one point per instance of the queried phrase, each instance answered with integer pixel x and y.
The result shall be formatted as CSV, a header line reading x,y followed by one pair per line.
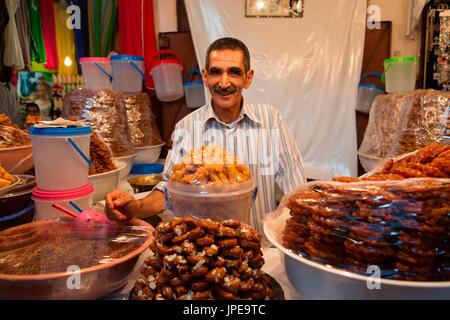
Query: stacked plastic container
x,y
61,166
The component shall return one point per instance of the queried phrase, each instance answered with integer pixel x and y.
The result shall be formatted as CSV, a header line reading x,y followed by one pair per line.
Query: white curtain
x,y
308,68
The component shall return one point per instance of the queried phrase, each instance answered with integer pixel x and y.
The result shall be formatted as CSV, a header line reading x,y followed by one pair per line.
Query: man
x,y
32,109
256,134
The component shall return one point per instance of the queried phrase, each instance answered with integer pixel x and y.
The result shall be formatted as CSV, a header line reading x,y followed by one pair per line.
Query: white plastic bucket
x,y
61,157
367,93
400,74
167,77
194,91
44,200
96,73
128,73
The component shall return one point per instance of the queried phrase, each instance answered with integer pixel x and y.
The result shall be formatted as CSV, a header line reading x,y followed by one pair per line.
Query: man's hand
x,y
120,206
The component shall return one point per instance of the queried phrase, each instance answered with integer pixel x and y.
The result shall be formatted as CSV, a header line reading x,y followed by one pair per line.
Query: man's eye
x,y
214,71
235,71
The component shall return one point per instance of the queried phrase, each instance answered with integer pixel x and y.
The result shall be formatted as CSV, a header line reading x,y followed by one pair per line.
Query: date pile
x,y
204,259
402,226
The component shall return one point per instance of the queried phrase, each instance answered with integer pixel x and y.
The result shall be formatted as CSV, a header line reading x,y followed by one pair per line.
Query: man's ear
x,y
204,73
249,79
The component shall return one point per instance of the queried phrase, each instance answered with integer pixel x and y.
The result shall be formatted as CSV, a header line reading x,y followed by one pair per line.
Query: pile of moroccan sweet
x,y
397,218
203,259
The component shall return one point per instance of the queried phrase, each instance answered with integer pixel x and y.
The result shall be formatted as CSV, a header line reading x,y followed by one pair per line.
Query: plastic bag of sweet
x,y
105,112
210,165
401,226
427,120
101,155
203,259
141,120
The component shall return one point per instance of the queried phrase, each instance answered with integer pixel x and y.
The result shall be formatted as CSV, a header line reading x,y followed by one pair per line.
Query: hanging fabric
x,y
65,41
137,31
37,47
102,19
48,28
4,18
81,34
13,52
23,30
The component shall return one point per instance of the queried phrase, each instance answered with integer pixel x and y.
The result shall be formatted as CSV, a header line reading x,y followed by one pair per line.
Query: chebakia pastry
x,y
211,166
5,178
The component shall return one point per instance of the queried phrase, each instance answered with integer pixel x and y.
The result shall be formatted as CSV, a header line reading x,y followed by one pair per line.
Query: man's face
x,y
32,111
226,78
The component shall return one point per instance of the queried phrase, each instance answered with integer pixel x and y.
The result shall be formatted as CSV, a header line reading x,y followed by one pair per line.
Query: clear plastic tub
x,y
44,200
59,164
128,73
400,74
231,201
96,73
167,77
194,91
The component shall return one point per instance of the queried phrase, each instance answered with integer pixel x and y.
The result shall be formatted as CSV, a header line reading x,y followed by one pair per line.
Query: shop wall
x,y
397,12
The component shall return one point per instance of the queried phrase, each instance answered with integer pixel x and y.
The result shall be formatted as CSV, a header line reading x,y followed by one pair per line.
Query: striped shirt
x,y
260,139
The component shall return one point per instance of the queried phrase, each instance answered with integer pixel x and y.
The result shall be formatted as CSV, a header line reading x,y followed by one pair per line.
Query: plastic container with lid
x,y
97,73
367,93
400,74
232,201
166,76
61,157
194,91
44,200
128,73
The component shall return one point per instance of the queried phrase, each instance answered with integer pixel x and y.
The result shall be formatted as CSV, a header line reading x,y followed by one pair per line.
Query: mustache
x,y
224,91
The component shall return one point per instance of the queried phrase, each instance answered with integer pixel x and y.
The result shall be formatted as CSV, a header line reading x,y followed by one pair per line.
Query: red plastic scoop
x,y
91,216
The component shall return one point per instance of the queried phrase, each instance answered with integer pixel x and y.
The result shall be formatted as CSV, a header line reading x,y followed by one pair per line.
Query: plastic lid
x,y
147,168
94,59
60,131
401,59
368,85
45,195
126,57
193,83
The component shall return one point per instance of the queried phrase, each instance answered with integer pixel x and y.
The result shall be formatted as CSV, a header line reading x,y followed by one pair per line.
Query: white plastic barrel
x,y
167,77
61,157
400,74
194,91
44,200
128,73
96,73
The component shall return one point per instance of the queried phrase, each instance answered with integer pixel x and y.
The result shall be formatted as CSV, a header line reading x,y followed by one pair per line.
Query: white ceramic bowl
x,y
129,160
106,182
320,281
148,154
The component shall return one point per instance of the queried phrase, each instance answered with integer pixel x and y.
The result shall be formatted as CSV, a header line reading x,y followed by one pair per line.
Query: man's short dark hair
x,y
231,44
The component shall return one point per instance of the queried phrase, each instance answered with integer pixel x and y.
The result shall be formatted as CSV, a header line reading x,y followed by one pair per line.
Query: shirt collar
x,y
247,110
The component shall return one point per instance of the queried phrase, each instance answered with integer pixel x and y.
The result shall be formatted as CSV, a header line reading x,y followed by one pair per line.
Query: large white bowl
x,y
129,160
106,182
320,281
148,154
17,160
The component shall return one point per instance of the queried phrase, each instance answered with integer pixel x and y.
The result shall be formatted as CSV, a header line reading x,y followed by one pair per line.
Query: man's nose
x,y
224,81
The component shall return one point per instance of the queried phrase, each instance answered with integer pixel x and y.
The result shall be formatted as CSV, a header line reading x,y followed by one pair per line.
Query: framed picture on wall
x,y
274,8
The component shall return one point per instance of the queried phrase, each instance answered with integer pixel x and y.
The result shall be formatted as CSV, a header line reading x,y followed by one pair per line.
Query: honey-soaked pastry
x,y
208,264
210,166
